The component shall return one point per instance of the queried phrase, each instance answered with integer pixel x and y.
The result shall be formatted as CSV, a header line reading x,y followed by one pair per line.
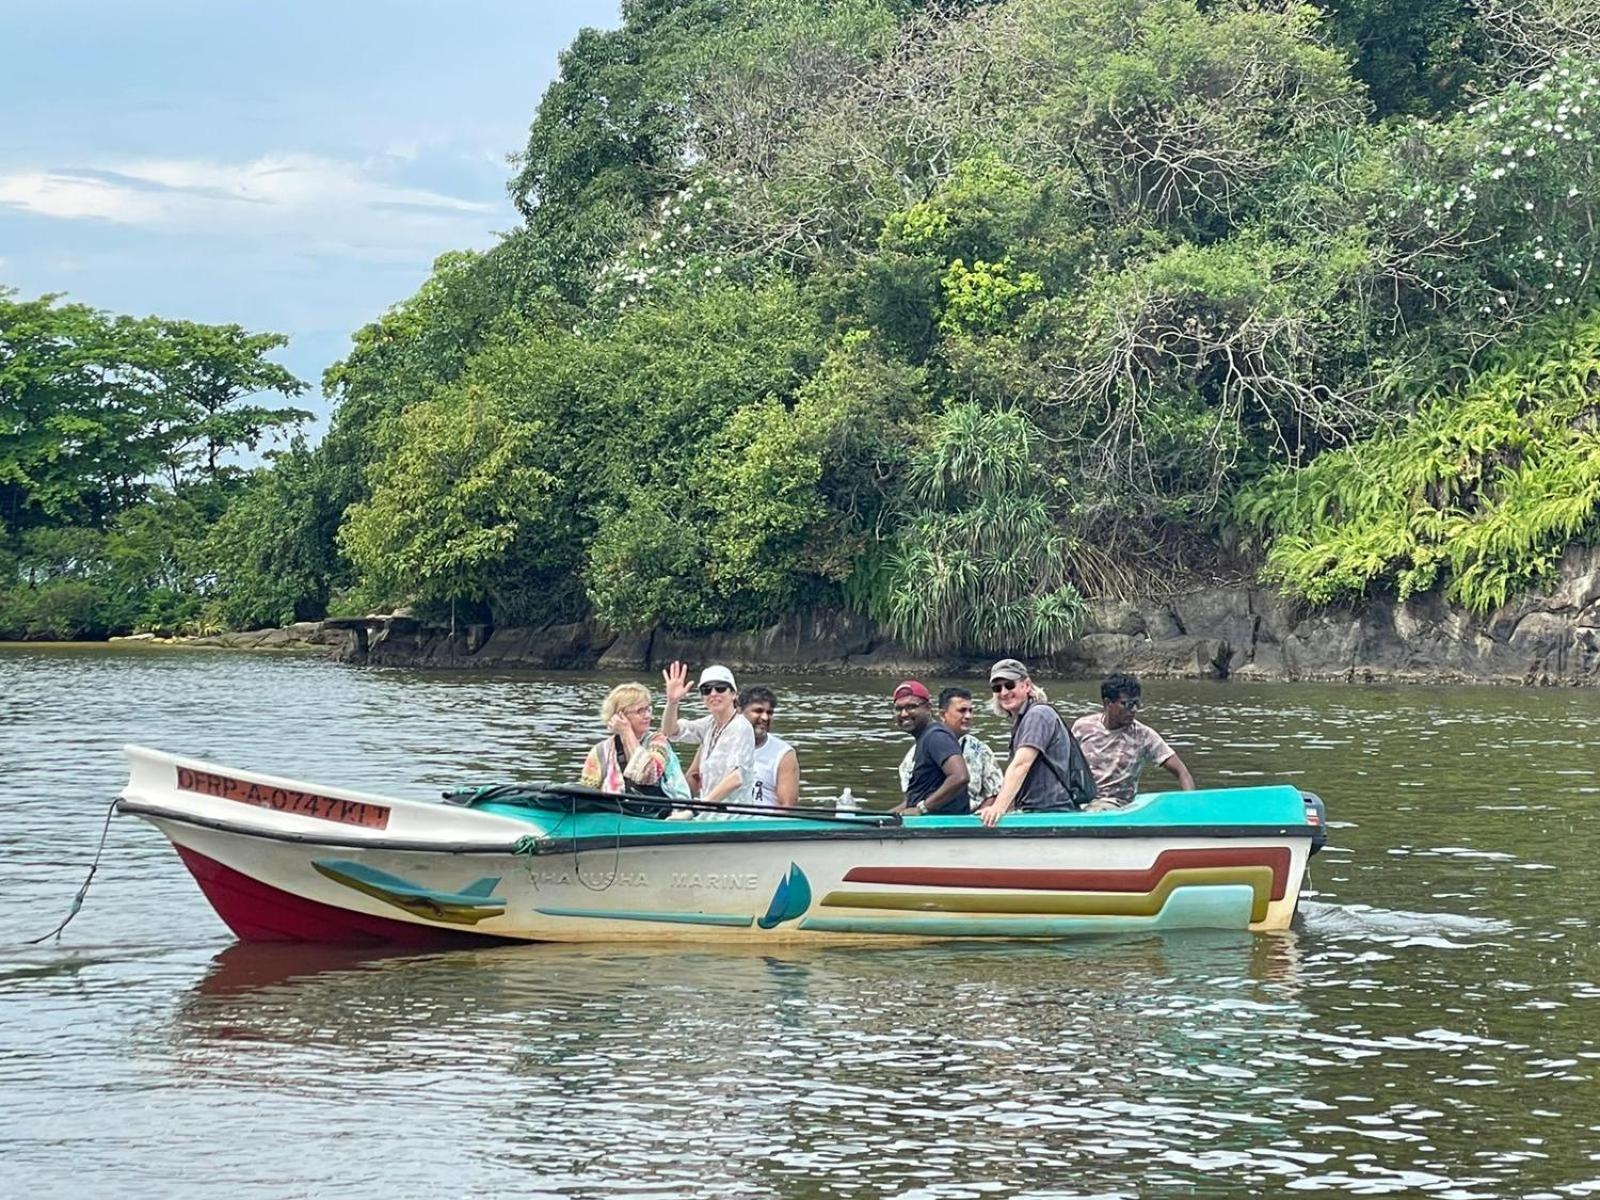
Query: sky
x,y
280,164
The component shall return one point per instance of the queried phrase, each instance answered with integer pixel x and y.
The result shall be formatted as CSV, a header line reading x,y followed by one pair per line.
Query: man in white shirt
x,y
777,766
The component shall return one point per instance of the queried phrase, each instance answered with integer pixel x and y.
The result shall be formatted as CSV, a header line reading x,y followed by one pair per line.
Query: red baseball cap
x,y
911,688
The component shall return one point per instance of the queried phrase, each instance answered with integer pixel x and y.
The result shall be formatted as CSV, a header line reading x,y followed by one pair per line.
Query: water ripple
x,y
1427,1027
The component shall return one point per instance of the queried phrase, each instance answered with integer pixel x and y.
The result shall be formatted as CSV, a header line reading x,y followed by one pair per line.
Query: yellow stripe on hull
x,y
1108,904
1279,915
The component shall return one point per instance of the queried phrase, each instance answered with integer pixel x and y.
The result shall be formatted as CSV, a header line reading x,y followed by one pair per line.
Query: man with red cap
x,y
939,771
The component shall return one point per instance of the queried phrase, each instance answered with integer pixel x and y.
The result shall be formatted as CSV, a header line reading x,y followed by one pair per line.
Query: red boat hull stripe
x,y
1276,857
259,912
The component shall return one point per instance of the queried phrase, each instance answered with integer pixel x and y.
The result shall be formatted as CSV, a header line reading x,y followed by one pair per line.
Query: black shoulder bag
x,y
1079,779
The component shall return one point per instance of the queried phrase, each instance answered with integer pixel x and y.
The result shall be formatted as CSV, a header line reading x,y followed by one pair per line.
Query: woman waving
x,y
726,738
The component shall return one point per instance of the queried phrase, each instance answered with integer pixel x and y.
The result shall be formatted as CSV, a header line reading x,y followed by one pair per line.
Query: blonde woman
x,y
632,759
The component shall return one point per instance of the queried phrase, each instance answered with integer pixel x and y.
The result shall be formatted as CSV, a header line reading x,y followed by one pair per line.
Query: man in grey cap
x,y
1045,773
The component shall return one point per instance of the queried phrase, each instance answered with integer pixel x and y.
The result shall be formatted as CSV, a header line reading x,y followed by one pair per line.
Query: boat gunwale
x,y
545,842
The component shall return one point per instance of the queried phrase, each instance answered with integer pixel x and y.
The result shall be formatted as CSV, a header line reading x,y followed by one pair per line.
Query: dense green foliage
x,y
1482,490
958,314
115,440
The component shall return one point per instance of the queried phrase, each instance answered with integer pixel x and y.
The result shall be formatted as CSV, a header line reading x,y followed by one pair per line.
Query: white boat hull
x,y
280,860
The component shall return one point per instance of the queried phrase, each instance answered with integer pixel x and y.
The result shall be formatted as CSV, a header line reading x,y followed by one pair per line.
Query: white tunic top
x,y
768,755
733,747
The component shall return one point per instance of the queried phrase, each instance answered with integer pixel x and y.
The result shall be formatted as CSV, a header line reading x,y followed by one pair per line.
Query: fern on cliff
x,y
1480,492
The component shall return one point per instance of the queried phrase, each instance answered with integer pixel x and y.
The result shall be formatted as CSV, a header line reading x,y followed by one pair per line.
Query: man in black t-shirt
x,y
938,769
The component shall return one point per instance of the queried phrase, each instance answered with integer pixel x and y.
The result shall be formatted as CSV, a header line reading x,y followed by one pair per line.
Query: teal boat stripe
x,y
1215,907
475,895
647,833
1272,811
631,840
666,918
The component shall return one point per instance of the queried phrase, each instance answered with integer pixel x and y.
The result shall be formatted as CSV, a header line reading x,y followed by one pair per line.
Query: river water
x,y
1431,1026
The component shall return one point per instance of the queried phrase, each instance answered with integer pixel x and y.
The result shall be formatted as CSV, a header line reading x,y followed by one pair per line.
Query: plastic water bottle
x,y
846,802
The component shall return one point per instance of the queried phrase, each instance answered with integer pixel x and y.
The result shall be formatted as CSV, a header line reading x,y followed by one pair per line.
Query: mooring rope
x,y
531,846
77,901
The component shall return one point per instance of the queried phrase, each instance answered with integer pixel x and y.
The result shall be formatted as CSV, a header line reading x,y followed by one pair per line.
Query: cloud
x,y
324,202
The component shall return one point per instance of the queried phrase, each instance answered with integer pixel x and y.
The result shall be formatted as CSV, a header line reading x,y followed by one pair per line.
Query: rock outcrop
x,y
302,635
1253,633
1219,631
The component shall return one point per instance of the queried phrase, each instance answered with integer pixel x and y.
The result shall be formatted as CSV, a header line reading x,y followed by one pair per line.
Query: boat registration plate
x,y
305,804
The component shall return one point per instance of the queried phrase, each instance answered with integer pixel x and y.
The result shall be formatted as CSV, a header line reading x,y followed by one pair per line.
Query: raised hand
x,y
676,681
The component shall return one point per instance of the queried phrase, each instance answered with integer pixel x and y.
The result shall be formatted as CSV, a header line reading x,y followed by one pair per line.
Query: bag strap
x,y
1072,749
1066,784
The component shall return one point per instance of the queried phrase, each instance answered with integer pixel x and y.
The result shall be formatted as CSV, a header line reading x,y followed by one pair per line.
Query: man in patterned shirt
x,y
983,768
1118,745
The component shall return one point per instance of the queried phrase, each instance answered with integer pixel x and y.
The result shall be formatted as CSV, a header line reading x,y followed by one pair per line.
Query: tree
x,y
608,137
202,374
784,507
1415,56
1479,492
76,419
659,394
952,311
631,413
453,501
114,433
273,555
93,408
983,560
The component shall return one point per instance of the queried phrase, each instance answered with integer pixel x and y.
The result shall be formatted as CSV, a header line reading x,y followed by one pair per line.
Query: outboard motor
x,y
1316,816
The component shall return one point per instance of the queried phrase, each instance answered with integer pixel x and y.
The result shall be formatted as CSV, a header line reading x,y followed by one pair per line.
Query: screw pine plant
x,y
983,559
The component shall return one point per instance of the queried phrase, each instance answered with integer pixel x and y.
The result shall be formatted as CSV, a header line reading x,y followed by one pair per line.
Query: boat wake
x,y
1452,931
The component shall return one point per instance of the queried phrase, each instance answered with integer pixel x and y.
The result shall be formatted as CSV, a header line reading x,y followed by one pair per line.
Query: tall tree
x,y
95,408
203,376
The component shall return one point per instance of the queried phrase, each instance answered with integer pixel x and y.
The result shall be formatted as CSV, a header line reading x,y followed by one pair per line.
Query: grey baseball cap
x,y
1008,668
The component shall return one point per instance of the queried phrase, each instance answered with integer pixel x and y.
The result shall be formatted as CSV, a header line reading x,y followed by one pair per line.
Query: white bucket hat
x,y
718,674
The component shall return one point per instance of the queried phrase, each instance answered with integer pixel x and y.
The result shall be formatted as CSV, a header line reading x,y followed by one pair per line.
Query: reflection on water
x,y
596,1066
1426,1028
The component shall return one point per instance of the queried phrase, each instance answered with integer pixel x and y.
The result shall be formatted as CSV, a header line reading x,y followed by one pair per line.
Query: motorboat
x,y
285,860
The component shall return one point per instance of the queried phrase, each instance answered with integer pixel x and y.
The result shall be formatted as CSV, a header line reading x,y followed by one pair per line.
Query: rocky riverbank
x,y
302,635
1221,631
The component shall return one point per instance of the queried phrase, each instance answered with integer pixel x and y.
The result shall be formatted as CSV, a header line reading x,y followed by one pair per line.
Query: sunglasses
x,y
707,688
1135,702
1003,685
